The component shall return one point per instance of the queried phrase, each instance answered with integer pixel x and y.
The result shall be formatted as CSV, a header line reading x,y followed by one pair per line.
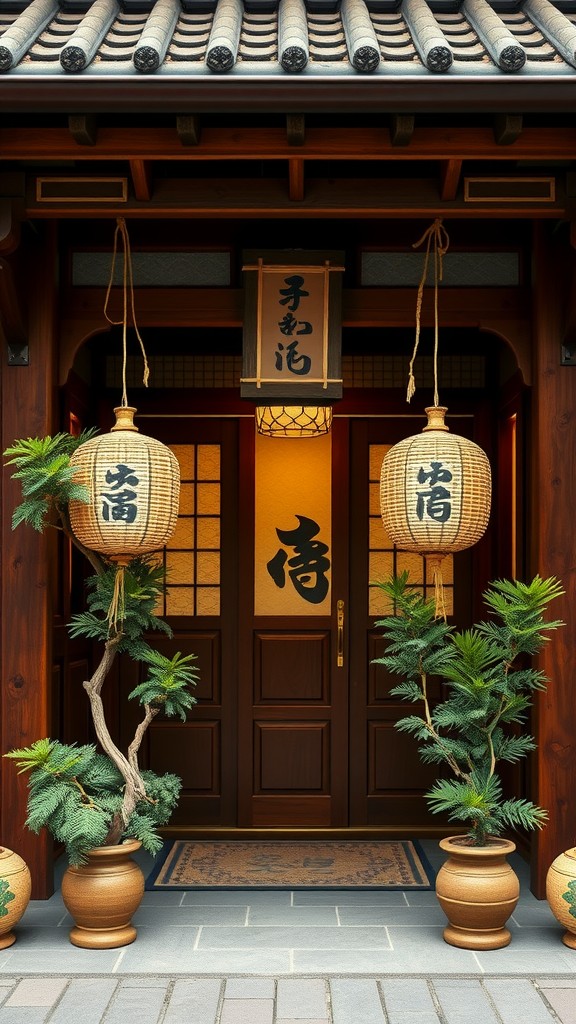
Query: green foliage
x,y
570,897
6,896
86,798
46,477
167,683
163,792
488,686
76,793
143,586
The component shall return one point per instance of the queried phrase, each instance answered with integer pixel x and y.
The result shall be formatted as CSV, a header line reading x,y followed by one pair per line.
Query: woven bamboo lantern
x,y
435,487
134,483
435,492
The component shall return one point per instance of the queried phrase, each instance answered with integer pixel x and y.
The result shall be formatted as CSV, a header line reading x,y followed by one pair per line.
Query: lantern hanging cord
x,y
128,287
436,236
435,566
116,610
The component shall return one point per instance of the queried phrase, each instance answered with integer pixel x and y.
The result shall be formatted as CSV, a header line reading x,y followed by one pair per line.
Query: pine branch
x,y
488,687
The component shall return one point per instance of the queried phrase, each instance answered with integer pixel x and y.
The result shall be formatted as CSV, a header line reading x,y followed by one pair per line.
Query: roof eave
x,y
384,94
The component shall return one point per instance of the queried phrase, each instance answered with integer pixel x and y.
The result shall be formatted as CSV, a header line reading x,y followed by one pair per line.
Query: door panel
x,y
293,709
200,606
292,668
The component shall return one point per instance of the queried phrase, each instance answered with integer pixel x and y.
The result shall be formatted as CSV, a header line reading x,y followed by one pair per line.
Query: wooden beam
x,y
296,129
268,197
83,128
141,171
507,128
272,144
450,171
376,307
361,307
188,129
296,180
402,129
501,310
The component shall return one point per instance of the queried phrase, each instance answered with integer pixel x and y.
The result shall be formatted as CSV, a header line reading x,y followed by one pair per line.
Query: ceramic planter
x,y
15,887
561,893
102,895
477,890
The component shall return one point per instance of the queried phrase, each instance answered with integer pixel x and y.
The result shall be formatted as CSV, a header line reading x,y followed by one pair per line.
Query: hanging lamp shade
x,y
293,420
134,482
435,490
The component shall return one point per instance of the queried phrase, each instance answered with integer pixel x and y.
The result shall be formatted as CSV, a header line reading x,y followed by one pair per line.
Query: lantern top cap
x,y
124,418
436,414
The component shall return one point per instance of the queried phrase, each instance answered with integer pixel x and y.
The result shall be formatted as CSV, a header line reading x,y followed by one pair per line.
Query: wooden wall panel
x,y
553,500
28,404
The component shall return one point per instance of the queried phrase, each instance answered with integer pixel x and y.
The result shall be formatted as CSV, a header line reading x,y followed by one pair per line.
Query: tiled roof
x,y
168,37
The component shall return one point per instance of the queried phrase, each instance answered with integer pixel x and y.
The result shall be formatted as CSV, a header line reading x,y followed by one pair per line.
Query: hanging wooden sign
x,y
292,327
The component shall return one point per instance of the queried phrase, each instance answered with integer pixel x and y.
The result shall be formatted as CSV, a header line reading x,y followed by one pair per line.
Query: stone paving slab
x,y
302,1000
359,1000
320,1000
195,1001
563,1002
518,1001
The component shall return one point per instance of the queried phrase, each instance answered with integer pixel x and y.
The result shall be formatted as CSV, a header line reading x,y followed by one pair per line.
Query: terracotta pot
x,y
15,886
102,895
477,890
561,893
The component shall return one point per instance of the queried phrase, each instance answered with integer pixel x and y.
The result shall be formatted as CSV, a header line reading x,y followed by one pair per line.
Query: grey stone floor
x,y
277,957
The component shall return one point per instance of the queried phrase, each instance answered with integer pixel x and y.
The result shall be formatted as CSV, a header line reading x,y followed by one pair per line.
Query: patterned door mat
x,y
390,864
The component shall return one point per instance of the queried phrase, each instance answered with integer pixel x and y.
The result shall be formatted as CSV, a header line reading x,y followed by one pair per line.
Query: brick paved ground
x,y
405,1000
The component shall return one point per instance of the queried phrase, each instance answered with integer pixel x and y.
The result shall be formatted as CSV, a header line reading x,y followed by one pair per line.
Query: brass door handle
x,y
340,634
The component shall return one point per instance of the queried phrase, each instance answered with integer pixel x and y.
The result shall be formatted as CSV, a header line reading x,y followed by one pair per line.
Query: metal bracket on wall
x,y
17,353
568,357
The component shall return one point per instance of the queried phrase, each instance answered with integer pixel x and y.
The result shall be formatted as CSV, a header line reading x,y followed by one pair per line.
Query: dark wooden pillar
x,y
553,501
28,409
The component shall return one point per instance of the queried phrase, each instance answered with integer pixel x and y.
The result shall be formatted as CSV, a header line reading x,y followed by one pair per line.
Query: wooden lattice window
x,y
192,558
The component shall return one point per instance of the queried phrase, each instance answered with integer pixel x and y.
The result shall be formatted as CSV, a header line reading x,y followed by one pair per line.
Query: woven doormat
x,y
344,864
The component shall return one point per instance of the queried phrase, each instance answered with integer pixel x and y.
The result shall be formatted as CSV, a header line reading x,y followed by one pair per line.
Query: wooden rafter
x,y
296,180
141,172
450,172
507,128
188,129
83,128
296,129
402,129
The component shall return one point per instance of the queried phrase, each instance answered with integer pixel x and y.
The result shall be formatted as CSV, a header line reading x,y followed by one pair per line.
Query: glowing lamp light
x,y
293,420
